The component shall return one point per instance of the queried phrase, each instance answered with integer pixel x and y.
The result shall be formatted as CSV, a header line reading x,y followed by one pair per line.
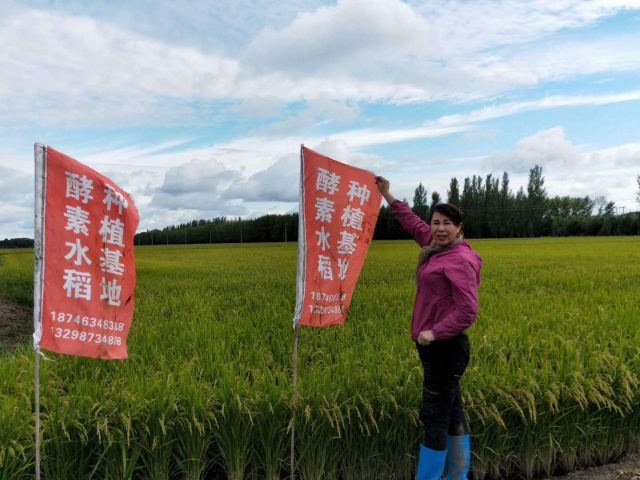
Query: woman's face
x,y
443,229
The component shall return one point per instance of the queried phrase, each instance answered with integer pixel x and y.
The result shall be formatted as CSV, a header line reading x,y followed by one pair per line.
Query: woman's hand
x,y
383,186
426,337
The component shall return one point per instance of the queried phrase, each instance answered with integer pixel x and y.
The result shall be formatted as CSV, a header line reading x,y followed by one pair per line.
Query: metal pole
x,y
295,401
36,374
38,261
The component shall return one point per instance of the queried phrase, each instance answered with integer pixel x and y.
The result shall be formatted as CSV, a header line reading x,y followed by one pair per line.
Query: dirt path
x,y
16,325
627,469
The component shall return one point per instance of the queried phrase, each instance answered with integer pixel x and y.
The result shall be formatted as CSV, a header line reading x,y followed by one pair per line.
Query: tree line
x,y
16,243
490,209
268,228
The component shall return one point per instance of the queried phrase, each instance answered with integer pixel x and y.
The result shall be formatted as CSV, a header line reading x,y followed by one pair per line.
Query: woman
x,y
447,277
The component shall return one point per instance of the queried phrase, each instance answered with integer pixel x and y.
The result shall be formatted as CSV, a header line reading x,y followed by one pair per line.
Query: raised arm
x,y
412,223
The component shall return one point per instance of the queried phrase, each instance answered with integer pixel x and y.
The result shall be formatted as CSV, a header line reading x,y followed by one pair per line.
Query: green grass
x,y
206,392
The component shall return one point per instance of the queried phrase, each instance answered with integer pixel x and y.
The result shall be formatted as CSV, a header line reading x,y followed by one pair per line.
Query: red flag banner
x,y
339,206
85,271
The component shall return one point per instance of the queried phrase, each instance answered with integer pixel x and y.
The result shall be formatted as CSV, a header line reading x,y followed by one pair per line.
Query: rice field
x,y
206,393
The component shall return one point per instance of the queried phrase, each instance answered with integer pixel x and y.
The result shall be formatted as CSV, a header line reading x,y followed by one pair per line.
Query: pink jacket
x,y
447,291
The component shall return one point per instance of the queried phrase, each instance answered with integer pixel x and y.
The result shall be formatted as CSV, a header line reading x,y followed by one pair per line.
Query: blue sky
x,y
198,109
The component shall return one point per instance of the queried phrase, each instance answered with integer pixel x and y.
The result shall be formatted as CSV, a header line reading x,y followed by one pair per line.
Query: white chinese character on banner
x,y
77,220
352,217
323,238
110,290
79,251
324,267
324,207
343,265
111,261
112,196
77,282
79,186
112,231
346,244
357,191
327,181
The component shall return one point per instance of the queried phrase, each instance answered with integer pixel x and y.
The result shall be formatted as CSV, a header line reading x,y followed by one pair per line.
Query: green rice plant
x,y
234,432
270,432
16,451
194,429
118,460
553,383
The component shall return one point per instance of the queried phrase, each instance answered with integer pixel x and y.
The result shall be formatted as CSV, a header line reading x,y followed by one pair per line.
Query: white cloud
x,y
554,101
487,134
16,203
277,183
198,176
544,148
260,107
280,182
99,73
197,185
109,74
621,156
568,171
16,187
339,150
323,41
317,111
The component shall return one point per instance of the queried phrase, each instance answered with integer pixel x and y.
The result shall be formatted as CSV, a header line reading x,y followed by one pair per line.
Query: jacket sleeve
x,y
412,223
464,293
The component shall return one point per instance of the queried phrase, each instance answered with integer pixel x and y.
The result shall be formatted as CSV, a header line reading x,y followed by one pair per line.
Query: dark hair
x,y
448,210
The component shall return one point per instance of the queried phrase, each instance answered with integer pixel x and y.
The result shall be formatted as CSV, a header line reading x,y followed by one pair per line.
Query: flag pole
x,y
38,267
300,281
37,413
295,400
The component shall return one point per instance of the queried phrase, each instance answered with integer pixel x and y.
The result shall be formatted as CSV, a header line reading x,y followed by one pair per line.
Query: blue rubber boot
x,y
430,463
459,449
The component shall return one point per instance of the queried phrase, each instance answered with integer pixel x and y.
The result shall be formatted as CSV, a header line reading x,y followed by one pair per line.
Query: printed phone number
x,y
328,297
87,321
317,309
87,337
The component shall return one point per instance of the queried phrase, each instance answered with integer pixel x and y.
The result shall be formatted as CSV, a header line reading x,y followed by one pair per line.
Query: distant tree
x,y
420,196
490,218
504,203
453,194
599,204
609,209
435,198
466,205
536,197
520,219
477,205
420,202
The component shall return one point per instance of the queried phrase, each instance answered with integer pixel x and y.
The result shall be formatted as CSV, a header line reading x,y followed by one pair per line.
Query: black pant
x,y
441,412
